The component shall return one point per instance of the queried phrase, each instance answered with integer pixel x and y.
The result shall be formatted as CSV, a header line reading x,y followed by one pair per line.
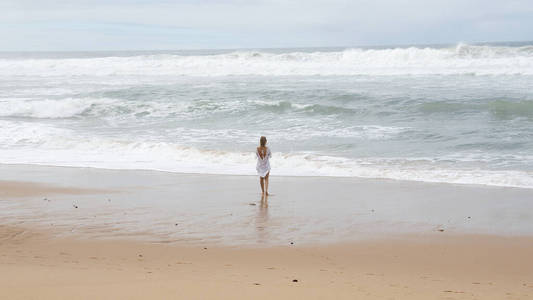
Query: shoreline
x,y
30,165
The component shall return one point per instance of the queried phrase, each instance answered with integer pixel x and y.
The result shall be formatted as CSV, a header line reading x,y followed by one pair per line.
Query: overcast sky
x,y
163,24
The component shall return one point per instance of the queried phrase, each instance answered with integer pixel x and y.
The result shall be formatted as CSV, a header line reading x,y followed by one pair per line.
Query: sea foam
x,y
61,147
461,59
200,113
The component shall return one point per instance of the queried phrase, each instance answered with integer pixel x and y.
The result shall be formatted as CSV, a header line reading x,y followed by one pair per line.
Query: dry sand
x,y
35,266
437,265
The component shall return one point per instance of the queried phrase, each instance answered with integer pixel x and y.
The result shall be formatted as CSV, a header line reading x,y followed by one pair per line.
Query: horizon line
x,y
370,46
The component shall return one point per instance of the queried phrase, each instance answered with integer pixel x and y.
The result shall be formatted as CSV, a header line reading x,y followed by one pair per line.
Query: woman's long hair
x,y
262,141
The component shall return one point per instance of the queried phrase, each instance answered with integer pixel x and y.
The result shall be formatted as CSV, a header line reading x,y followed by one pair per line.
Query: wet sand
x,y
87,233
198,209
27,189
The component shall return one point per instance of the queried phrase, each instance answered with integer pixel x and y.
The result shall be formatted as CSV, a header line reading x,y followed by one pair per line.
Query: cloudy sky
x,y
163,24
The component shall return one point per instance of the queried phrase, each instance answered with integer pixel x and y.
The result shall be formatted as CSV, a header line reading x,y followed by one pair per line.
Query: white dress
x,y
263,164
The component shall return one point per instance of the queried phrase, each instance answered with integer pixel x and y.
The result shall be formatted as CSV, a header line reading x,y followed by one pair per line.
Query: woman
x,y
263,164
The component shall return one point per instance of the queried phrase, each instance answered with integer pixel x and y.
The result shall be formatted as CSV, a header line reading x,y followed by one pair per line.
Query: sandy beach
x,y
266,150
35,266
88,233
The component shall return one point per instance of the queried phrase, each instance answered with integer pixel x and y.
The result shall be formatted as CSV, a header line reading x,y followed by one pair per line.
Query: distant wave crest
x,y
461,59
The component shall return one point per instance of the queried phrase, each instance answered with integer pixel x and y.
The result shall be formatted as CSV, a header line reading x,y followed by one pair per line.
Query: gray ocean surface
x,y
455,113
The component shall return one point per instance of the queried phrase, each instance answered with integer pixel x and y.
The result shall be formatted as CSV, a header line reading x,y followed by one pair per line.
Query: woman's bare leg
x,y
266,184
262,182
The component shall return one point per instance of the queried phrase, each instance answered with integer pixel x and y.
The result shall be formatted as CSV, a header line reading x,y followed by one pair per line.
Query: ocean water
x,y
459,114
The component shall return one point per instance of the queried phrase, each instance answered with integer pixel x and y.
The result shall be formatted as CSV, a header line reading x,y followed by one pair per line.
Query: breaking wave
x,y
461,59
47,145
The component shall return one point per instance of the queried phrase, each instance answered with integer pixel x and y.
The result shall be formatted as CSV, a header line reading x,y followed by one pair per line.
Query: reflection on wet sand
x,y
261,220
163,207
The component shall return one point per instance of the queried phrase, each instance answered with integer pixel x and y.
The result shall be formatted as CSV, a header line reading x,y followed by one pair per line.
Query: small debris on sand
x,y
295,280
438,228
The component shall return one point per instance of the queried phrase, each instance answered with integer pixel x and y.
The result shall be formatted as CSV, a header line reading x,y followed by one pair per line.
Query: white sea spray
x,y
458,114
